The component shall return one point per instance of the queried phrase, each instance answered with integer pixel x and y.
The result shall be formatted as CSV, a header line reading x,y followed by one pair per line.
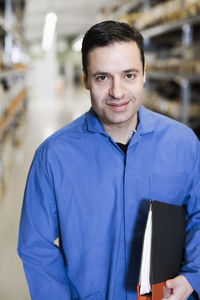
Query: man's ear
x,y
85,80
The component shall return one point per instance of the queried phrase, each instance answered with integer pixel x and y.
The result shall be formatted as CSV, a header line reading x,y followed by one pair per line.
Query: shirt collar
x,y
93,123
147,121
146,124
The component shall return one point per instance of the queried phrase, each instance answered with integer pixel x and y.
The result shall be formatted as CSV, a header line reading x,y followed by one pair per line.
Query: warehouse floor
x,y
47,112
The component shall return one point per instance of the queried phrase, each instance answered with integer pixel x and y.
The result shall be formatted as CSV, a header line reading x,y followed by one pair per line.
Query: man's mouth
x,y
115,106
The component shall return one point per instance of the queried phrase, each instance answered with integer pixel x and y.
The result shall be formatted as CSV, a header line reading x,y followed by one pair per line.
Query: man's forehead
x,y
120,55
113,46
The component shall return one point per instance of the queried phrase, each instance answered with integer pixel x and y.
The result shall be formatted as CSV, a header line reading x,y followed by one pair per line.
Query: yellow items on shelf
x,y
176,66
172,108
4,121
165,13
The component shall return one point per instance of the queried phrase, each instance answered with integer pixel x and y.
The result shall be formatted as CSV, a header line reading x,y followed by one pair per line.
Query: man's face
x,y
115,81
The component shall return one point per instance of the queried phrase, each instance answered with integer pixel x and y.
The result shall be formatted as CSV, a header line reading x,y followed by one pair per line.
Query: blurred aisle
x,y
47,112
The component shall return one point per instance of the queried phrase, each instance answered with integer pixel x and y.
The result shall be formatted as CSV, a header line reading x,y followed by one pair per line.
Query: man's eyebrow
x,y
131,70
107,73
100,73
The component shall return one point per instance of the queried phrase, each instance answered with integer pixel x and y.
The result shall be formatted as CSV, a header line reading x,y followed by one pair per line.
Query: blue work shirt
x,y
84,190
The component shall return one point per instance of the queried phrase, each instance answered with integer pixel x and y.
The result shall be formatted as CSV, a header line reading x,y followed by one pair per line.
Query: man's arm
x,y
189,279
191,266
43,261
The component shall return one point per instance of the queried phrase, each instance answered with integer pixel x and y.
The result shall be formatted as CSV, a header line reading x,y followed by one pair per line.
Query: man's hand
x,y
178,288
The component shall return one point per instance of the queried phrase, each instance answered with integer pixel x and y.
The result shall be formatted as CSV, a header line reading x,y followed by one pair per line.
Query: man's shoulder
x,y
168,125
176,135
65,134
172,133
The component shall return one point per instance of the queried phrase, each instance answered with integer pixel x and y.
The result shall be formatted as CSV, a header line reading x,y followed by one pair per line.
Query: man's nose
x,y
116,89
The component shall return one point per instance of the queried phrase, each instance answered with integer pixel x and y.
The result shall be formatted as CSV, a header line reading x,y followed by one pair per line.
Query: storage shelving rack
x,y
183,79
13,91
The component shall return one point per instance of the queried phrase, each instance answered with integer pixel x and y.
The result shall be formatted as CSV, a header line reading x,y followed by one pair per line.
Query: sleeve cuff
x,y
193,279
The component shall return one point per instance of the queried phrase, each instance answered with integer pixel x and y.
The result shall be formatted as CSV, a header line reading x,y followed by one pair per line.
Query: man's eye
x,y
130,76
101,78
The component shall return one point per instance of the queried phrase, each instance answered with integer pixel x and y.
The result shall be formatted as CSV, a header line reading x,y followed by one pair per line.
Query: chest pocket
x,y
169,188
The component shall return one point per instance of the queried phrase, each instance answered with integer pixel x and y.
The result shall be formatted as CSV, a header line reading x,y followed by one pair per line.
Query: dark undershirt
x,y
124,147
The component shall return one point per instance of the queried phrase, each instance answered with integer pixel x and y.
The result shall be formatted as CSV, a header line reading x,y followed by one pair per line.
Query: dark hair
x,y
106,33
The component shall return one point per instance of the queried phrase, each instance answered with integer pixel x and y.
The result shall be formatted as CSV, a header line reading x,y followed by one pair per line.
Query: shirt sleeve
x,y
191,265
44,263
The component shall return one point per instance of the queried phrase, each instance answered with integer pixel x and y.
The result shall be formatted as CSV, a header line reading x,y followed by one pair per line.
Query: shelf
x,y
161,29
12,110
171,108
3,26
178,77
7,29
126,8
11,73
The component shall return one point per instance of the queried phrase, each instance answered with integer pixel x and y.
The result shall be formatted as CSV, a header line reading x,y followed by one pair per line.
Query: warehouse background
x,y
41,87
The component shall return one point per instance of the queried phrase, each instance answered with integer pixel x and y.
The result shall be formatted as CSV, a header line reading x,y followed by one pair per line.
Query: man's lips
x,y
118,106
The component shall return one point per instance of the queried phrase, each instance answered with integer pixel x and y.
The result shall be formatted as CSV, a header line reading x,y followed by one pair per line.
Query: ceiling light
x,y
49,30
77,45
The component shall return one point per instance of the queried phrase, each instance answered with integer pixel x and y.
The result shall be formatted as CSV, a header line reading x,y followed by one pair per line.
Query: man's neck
x,y
121,133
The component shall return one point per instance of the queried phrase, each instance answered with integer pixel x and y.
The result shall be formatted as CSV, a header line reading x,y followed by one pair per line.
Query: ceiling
x,y
74,16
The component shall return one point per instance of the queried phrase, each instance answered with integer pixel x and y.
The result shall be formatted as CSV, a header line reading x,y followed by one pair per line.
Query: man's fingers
x,y
180,287
167,292
171,283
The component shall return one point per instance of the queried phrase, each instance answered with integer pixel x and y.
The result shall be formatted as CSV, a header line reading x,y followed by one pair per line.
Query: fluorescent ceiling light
x,y
77,45
49,30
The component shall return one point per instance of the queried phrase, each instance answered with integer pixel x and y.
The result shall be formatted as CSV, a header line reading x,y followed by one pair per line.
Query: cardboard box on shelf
x,y
170,107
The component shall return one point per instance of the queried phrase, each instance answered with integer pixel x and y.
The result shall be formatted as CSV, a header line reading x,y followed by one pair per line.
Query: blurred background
x,y
41,87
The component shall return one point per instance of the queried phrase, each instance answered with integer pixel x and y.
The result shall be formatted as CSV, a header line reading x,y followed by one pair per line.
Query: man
x,y
91,182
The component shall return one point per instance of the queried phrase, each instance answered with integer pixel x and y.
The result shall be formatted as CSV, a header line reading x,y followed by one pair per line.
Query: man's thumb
x,y
170,284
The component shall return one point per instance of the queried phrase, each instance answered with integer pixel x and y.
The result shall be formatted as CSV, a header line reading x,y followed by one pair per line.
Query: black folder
x,y
167,243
